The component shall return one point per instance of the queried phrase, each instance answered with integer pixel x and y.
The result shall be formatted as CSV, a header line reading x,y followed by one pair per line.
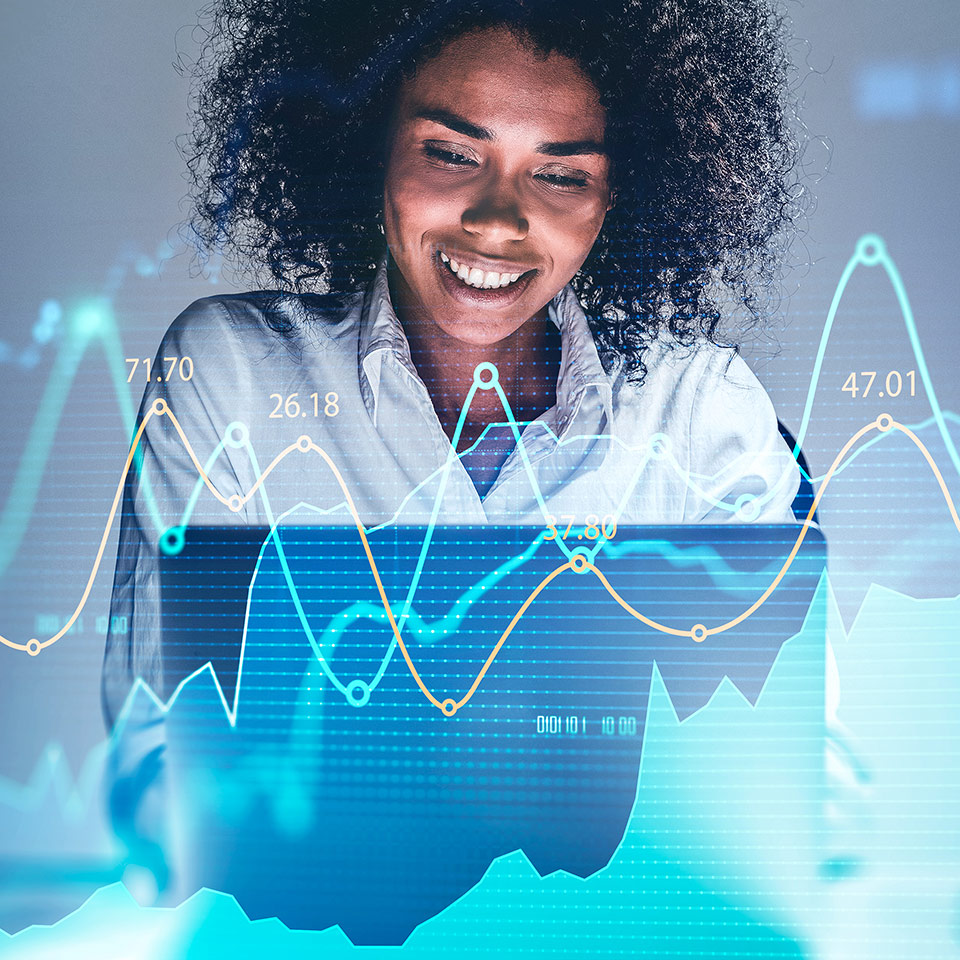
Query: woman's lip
x,y
476,296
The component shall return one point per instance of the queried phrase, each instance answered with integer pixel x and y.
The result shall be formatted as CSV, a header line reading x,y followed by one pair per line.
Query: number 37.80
x,y
593,528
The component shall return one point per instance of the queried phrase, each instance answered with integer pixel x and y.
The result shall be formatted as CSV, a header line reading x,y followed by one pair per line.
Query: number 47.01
x,y
893,384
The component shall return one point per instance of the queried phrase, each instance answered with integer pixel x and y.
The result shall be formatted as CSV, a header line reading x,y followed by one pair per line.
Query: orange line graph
x,y
578,563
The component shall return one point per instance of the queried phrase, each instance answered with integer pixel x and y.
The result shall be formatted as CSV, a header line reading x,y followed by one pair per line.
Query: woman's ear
x,y
611,200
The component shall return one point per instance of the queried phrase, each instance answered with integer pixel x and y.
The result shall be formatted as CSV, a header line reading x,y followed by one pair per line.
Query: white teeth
x,y
475,277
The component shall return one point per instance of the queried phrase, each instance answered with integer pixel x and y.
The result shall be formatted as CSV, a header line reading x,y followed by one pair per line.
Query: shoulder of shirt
x,y
262,320
674,369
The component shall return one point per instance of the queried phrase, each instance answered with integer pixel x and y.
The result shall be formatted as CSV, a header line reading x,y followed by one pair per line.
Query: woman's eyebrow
x,y
453,122
571,148
558,148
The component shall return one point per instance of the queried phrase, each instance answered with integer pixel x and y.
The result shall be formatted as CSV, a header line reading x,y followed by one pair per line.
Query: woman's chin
x,y
478,331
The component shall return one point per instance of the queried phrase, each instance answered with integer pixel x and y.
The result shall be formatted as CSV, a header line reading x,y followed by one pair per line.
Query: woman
x,y
549,195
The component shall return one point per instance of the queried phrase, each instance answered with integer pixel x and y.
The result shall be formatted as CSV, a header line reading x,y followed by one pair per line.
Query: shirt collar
x,y
382,335
580,366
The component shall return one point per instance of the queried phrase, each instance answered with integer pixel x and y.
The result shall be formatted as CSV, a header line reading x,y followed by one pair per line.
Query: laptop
x,y
327,772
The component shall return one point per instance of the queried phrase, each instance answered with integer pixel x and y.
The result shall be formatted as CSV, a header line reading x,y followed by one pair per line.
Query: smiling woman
x,y
495,235
557,189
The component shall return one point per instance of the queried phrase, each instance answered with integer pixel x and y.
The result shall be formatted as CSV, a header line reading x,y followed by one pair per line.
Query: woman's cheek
x,y
574,233
424,200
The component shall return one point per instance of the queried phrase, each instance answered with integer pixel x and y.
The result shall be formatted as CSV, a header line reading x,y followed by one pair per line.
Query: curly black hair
x,y
292,103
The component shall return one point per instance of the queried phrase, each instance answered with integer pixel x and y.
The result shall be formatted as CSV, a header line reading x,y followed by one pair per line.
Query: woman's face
x,y
497,170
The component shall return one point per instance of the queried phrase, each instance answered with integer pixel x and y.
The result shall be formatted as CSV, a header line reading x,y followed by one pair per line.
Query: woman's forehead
x,y
491,76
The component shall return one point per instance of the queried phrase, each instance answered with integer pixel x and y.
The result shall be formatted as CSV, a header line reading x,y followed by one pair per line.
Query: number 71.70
x,y
172,366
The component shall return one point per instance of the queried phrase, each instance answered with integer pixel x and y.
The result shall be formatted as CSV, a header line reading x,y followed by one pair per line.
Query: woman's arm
x,y
200,393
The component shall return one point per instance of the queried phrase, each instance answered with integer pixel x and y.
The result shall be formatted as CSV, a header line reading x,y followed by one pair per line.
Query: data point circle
x,y
237,435
698,632
870,249
160,407
486,376
33,646
659,446
448,707
303,444
578,562
235,503
884,422
358,693
172,540
748,507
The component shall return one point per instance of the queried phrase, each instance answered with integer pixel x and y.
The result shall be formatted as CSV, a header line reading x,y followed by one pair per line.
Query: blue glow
x,y
51,313
145,267
906,89
29,357
90,318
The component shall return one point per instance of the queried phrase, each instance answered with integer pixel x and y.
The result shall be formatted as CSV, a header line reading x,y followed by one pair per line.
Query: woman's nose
x,y
495,216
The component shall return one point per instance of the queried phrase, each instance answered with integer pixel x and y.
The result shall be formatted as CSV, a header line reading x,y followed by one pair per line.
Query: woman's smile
x,y
474,276
478,282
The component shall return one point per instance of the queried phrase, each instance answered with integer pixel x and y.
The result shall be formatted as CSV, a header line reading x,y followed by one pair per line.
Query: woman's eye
x,y
446,155
563,180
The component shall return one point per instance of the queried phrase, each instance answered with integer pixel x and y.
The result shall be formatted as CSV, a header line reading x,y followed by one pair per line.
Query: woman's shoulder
x,y
708,408
257,322
680,374
703,396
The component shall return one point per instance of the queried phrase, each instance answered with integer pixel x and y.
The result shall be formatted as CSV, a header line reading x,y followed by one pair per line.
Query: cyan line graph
x,y
869,251
579,561
230,709
93,323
